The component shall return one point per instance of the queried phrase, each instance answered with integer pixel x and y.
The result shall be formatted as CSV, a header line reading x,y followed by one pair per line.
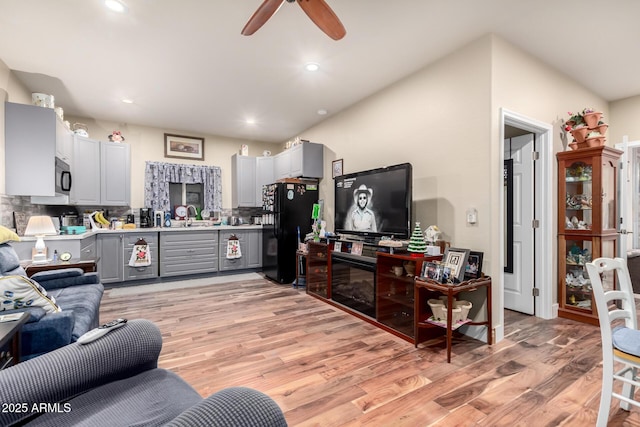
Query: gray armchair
x,y
115,381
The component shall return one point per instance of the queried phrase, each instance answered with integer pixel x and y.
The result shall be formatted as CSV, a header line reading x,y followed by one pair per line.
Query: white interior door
x,y
628,197
518,286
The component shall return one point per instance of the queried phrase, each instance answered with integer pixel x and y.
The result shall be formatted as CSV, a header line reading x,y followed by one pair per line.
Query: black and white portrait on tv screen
x,y
362,217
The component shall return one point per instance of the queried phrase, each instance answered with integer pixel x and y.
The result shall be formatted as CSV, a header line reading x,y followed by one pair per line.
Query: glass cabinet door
x,y
578,197
608,195
575,283
576,280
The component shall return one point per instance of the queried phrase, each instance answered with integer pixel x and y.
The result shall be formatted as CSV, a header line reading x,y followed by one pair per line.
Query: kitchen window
x,y
185,194
169,184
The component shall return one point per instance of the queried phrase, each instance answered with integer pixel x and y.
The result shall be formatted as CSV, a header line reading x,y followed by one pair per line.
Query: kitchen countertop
x,y
144,230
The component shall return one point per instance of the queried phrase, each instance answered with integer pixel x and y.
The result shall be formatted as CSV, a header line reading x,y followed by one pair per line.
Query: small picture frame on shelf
x,y
430,270
473,269
456,260
356,248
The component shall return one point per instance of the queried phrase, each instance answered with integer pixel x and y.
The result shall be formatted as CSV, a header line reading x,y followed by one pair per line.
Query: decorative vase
x,y
592,119
580,133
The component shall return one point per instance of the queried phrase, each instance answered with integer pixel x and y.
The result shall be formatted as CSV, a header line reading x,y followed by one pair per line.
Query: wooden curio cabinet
x,y
587,219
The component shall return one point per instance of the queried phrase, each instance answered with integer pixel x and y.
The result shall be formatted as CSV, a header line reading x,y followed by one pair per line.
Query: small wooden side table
x,y
10,333
422,314
88,266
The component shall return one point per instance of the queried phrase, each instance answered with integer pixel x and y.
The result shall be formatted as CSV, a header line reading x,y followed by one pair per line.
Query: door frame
x,y
544,237
624,186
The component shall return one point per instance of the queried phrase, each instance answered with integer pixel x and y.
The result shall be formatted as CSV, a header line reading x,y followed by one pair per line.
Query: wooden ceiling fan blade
x,y
322,15
261,15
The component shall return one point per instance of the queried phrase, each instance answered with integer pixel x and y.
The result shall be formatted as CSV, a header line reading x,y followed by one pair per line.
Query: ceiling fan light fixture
x,y
312,67
116,6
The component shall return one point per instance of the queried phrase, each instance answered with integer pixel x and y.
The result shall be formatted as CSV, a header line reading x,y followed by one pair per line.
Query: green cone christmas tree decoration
x,y
417,245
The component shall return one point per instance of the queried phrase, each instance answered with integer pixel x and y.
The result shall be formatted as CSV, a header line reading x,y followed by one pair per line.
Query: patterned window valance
x,y
158,176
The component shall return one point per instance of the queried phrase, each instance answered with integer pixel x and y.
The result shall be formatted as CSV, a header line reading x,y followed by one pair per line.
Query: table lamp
x,y
40,226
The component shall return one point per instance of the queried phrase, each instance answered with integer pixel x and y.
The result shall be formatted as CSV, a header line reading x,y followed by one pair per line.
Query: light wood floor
x,y
325,367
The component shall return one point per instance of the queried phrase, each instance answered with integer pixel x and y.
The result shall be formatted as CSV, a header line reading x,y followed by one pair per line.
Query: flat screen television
x,y
374,203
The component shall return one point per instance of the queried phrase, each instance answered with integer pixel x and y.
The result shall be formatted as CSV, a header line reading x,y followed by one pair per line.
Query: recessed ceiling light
x,y
128,101
116,5
250,121
311,66
322,112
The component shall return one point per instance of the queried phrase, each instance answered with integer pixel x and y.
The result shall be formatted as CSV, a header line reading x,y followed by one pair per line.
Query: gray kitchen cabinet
x,y
140,272
307,160
31,134
264,176
282,165
243,177
114,252
250,248
110,253
88,248
115,174
302,160
85,172
188,252
102,174
253,248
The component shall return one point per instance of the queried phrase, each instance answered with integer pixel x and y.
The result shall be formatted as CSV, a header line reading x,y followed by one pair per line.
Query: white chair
x,y
619,331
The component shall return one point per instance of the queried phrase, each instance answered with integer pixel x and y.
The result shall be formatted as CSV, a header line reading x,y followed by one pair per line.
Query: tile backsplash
x,y
11,204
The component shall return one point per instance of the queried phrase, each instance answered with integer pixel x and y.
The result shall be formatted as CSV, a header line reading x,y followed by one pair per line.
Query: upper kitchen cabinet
x,y
115,173
250,174
101,173
243,172
34,137
304,160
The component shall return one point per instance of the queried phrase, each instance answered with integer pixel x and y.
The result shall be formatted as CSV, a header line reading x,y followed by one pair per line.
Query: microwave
x,y
63,177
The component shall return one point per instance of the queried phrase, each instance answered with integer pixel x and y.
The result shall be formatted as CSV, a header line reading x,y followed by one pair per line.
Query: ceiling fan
x,y
319,12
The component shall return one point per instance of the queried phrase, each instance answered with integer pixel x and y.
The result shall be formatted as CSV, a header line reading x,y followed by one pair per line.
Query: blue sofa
x,y
77,293
115,381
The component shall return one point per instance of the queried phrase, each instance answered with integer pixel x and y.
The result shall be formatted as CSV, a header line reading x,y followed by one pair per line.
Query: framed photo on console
x,y
456,260
473,269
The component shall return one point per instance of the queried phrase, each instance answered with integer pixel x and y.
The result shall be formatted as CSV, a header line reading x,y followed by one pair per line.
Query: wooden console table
x,y
87,266
423,313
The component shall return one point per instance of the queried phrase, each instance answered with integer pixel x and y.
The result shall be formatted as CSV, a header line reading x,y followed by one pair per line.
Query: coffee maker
x,y
146,218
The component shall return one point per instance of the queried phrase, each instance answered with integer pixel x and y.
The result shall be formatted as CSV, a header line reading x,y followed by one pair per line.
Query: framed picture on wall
x,y
183,147
337,168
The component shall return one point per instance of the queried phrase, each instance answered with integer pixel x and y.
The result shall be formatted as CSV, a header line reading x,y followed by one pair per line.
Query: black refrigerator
x,y
290,206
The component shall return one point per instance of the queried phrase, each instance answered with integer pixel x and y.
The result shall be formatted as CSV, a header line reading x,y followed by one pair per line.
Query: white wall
x,y
438,119
625,120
